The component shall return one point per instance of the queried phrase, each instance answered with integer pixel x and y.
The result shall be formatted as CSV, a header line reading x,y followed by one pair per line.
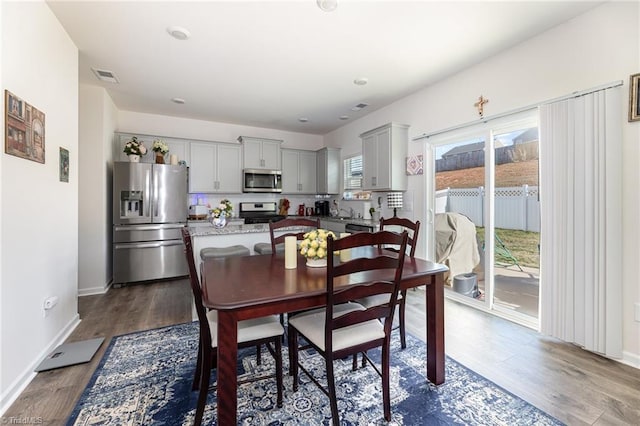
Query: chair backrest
x,y
407,225
273,226
360,283
195,285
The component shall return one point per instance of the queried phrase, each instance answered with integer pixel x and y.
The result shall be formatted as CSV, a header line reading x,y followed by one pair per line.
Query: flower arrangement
x,y
160,146
314,244
135,147
224,209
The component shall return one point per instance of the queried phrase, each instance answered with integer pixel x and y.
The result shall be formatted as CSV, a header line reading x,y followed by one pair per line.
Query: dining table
x,y
242,288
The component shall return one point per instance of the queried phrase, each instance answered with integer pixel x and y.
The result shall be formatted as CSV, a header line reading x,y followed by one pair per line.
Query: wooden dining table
x,y
241,288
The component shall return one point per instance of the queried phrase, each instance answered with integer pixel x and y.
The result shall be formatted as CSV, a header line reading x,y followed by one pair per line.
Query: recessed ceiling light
x,y
361,81
177,101
327,5
179,33
344,117
303,119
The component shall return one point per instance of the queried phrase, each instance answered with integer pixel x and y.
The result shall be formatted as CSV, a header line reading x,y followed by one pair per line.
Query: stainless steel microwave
x,y
259,180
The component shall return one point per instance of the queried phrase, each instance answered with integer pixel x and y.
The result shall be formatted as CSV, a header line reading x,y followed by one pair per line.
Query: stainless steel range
x,y
260,212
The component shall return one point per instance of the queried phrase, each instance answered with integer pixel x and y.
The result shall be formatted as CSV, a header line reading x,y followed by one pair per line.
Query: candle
x,y
173,160
345,254
290,252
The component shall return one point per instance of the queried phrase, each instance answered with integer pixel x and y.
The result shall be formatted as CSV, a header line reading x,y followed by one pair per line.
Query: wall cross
x,y
480,105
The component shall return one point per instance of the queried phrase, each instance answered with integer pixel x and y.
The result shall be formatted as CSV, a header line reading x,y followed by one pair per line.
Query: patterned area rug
x,y
145,378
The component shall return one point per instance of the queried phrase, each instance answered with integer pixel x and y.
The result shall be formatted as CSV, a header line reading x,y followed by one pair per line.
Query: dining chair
x,y
412,228
254,332
289,222
344,328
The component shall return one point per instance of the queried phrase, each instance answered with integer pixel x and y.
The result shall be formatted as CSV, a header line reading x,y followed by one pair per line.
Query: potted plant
x,y
314,247
160,148
134,149
220,213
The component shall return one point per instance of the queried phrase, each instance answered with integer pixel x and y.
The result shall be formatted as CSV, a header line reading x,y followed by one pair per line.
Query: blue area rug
x,y
145,378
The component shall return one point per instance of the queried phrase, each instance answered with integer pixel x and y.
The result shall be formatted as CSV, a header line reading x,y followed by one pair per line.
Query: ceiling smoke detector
x,y
178,101
361,81
303,119
179,33
327,5
104,75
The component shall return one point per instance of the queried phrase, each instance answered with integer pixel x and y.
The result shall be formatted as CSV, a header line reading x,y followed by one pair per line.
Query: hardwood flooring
x,y
575,386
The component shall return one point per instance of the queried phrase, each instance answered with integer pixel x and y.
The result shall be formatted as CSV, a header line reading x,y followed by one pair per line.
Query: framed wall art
x,y
24,129
634,98
64,165
414,165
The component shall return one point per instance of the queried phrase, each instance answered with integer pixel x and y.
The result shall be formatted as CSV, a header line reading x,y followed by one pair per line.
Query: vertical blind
x,y
353,172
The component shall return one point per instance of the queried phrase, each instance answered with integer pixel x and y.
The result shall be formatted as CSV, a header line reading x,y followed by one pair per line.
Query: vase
x,y
159,158
134,158
317,263
219,222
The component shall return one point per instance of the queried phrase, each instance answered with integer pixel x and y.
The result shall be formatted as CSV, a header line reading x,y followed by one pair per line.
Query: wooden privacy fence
x,y
516,207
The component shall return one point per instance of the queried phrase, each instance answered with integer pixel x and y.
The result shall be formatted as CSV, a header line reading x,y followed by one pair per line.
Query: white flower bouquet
x,y
160,146
224,209
134,147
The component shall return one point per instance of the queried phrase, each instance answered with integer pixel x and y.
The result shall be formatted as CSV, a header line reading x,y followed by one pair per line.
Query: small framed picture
x,y
634,98
64,165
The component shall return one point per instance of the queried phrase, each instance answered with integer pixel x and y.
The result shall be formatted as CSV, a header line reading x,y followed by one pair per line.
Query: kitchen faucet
x,y
350,211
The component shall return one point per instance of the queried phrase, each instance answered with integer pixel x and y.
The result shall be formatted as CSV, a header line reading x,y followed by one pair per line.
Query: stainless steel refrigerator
x,y
149,209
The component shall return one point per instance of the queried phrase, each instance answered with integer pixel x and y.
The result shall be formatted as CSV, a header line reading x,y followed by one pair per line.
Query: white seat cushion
x,y
257,328
378,299
311,325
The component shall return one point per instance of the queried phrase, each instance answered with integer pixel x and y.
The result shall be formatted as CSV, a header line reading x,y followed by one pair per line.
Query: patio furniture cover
x,y
456,244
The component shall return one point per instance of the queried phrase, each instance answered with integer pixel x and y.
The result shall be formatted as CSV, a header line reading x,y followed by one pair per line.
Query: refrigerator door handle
x,y
155,191
148,227
148,245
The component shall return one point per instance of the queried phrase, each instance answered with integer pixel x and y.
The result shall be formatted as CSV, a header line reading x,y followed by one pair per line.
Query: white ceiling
x,y
268,63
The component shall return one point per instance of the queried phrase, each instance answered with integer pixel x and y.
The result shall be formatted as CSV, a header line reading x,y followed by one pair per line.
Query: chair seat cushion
x,y
253,329
311,325
378,299
265,248
218,252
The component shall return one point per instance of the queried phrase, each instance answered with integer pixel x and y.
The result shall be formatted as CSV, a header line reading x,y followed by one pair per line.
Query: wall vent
x,y
359,107
104,75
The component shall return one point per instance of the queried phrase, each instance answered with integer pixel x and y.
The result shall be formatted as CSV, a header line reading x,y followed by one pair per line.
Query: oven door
x,y
255,180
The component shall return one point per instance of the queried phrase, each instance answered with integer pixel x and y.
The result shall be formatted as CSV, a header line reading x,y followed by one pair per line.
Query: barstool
x,y
220,252
265,248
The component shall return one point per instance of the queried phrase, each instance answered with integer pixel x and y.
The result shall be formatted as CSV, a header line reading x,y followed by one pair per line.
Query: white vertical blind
x,y
581,210
353,172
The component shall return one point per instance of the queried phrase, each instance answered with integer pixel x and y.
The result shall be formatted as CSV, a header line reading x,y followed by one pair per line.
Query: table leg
x,y
435,329
227,375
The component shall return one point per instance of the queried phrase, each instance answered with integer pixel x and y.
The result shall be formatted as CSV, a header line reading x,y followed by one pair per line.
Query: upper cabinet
x,y
215,167
259,153
328,170
298,171
384,152
177,147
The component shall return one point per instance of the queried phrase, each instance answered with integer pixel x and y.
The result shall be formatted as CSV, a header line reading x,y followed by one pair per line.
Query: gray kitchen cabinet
x,y
335,226
384,152
177,146
328,171
215,167
260,153
298,171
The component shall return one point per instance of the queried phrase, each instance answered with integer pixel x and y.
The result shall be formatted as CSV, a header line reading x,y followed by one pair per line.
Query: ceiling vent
x,y
359,107
105,75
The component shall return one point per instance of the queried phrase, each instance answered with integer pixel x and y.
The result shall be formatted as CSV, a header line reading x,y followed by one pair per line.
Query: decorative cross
x,y
480,105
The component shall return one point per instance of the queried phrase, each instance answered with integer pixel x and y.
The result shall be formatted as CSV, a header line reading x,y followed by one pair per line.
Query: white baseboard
x,y
94,290
15,389
630,359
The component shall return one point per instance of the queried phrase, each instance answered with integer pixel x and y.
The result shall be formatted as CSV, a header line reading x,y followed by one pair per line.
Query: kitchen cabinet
x,y
298,171
177,146
260,153
215,167
384,152
328,171
337,227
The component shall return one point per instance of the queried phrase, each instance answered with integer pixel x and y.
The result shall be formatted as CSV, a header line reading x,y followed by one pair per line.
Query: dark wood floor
x,y
575,386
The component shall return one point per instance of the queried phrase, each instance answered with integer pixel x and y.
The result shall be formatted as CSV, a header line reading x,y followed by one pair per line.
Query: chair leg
x,y
204,386
278,358
259,354
332,390
196,376
386,394
293,356
364,359
403,336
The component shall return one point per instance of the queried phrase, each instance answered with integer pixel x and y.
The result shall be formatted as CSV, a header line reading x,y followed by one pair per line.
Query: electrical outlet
x,y
637,311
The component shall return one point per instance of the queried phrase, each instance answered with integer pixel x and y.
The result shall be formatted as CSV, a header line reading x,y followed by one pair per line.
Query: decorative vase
x,y
159,158
317,263
219,222
134,158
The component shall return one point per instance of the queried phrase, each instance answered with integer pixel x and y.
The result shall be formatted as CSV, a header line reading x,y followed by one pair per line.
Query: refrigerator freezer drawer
x,y
150,232
148,261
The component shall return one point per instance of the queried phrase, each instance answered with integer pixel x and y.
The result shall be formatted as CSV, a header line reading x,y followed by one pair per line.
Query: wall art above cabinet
x,y
384,152
260,153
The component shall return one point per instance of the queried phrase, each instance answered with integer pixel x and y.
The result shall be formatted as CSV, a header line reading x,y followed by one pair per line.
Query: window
x,y
353,172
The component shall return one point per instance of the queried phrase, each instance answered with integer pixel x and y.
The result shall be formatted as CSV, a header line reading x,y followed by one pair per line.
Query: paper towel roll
x,y
290,252
366,207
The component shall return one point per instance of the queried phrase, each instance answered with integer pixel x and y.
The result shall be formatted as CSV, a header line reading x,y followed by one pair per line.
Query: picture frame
x,y
634,97
24,134
64,165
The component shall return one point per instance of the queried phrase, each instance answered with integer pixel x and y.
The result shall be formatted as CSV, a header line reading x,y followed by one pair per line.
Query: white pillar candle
x,y
290,252
173,160
345,254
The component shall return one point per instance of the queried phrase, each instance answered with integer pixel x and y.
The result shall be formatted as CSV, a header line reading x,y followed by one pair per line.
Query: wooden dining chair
x,y
255,332
413,229
345,328
289,222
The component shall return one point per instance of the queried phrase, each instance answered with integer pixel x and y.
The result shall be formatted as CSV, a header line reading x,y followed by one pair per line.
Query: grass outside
x,y
523,245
